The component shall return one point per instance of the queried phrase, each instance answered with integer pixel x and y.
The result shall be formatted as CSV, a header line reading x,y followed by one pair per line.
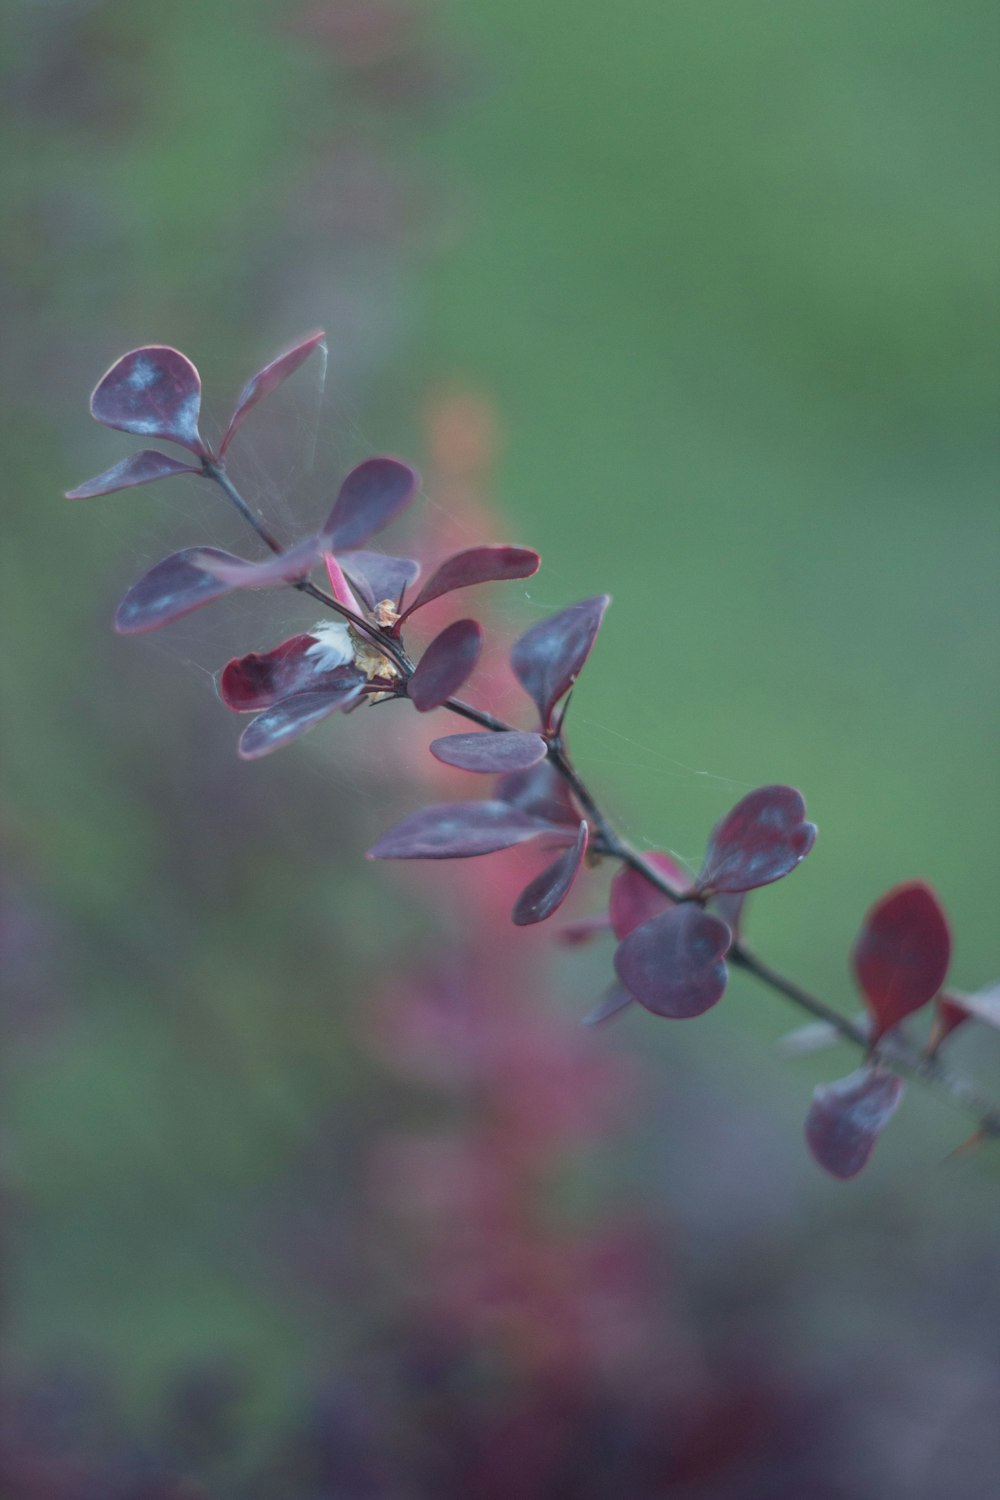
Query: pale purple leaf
x,y
138,468
249,684
370,497
547,892
634,898
282,567
541,792
490,753
174,587
267,380
153,392
615,999
847,1117
674,964
376,576
760,840
458,830
446,664
295,716
548,657
477,565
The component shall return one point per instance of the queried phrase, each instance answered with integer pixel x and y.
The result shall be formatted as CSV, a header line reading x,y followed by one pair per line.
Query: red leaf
x,y
373,493
446,664
138,468
153,392
548,657
174,587
296,715
477,565
547,892
458,830
674,964
760,840
267,380
901,956
490,753
252,683
634,899
847,1117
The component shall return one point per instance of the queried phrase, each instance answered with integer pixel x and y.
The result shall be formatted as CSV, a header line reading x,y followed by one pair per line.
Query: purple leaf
x,y
548,657
458,830
477,565
490,753
575,934
302,664
615,999
371,495
902,954
376,576
847,1117
674,964
729,906
760,840
267,380
295,716
175,587
541,792
138,468
283,567
153,392
446,664
634,899
547,892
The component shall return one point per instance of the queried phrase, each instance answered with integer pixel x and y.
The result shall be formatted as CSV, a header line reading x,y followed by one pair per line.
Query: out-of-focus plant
x,y
677,936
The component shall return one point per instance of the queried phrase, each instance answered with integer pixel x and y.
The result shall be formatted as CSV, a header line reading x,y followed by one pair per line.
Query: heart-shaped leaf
x,y
760,840
541,792
634,899
268,379
615,999
547,892
370,497
901,956
847,1117
153,392
674,964
283,567
490,753
174,587
138,468
477,565
458,830
548,657
249,684
295,716
446,664
376,576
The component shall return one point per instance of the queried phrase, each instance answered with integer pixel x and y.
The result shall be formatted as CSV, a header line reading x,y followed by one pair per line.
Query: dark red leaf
x,y
138,468
541,792
477,565
295,716
376,576
153,392
674,964
547,892
847,1117
371,495
548,657
175,587
446,664
634,899
901,956
458,830
303,664
760,840
490,753
267,380
615,999
282,567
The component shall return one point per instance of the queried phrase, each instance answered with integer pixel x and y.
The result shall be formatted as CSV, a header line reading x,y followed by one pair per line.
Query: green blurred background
x,y
725,275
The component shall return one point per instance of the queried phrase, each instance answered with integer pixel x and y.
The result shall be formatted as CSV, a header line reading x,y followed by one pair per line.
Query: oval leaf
x,y
154,392
371,495
847,1117
138,468
634,899
549,890
458,830
548,657
760,840
541,792
376,576
268,379
295,716
575,934
446,664
249,684
901,956
477,565
612,1003
283,567
490,753
674,964
174,588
